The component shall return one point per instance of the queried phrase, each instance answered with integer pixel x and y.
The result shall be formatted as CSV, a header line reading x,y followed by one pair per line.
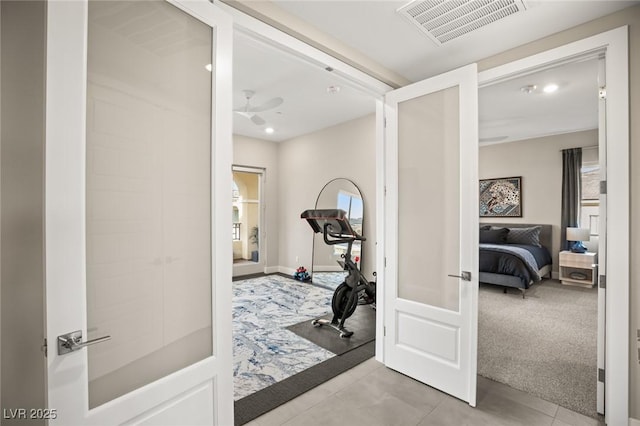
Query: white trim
x,y
286,270
634,422
615,45
380,227
602,238
222,253
272,270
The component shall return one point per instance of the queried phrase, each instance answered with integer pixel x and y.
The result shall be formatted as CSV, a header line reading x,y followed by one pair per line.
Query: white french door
x,y
431,231
138,149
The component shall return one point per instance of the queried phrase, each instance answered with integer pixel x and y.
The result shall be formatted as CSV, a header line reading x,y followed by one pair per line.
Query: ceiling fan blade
x,y
257,120
272,103
244,113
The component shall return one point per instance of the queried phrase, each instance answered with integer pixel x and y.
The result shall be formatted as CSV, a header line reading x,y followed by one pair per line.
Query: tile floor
x,y
370,394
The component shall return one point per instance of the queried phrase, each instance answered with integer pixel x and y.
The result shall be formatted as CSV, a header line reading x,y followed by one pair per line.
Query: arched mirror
x,y
339,193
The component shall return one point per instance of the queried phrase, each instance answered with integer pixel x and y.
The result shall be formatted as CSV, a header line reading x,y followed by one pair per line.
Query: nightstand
x,y
579,269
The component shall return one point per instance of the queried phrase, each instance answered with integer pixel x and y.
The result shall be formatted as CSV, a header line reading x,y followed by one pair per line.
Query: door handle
x,y
464,276
73,341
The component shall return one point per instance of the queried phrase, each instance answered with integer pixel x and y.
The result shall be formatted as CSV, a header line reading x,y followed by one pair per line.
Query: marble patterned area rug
x,y
265,352
329,279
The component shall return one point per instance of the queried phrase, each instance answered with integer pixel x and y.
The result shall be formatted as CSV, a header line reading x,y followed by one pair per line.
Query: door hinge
x,y
603,281
385,261
602,92
385,122
43,348
603,187
601,375
384,331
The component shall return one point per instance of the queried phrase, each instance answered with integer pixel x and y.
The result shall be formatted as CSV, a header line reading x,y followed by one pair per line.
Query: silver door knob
x,y
73,341
464,276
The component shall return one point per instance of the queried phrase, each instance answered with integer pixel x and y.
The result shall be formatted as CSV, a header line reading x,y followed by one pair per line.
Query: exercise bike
x,y
355,289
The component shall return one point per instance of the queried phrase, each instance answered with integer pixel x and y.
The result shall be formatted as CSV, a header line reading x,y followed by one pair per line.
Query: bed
x,y
514,255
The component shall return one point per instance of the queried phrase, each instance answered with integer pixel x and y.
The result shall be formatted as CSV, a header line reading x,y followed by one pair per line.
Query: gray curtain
x,y
571,192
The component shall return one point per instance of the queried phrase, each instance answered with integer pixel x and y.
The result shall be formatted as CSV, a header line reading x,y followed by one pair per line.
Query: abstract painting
x,y
501,197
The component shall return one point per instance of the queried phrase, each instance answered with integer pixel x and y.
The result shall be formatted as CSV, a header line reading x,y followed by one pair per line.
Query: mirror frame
x,y
315,236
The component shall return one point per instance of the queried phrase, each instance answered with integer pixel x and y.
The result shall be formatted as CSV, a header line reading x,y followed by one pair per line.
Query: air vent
x,y
446,20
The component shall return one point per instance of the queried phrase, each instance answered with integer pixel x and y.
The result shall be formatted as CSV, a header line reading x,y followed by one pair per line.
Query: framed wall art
x,y
501,197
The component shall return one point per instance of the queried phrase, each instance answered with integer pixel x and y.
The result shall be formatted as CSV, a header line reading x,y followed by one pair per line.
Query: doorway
x,y
319,121
523,130
615,43
248,223
614,256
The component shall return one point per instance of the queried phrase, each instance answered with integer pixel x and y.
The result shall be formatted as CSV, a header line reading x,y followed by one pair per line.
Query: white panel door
x,y
432,231
138,149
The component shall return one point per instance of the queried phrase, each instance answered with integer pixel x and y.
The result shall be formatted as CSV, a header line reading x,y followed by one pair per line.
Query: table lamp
x,y
577,236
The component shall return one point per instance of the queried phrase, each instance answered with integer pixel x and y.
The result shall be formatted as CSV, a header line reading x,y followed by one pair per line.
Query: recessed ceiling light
x,y
333,89
269,130
550,88
208,67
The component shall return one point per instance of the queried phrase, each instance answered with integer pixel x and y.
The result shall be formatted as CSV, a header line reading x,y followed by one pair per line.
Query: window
x,y
590,204
236,232
236,223
352,204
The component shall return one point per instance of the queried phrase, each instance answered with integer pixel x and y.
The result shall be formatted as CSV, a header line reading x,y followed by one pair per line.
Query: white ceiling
x,y
307,105
507,113
374,28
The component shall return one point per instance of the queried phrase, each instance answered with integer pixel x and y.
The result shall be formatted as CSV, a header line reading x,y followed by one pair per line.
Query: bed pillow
x,y
485,227
494,236
529,236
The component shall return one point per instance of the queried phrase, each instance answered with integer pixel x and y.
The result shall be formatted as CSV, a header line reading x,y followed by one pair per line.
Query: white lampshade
x,y
578,234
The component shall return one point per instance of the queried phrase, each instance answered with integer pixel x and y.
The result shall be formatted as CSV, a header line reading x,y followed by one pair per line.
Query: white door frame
x,y
65,228
614,44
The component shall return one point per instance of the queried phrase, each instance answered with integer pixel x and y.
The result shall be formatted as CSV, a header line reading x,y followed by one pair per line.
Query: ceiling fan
x,y
249,111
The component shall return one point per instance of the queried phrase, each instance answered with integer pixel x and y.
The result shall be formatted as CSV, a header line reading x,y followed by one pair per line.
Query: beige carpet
x,y
544,344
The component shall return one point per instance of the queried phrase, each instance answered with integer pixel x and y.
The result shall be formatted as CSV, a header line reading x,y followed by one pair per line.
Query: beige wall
x,y
264,154
307,164
22,168
539,162
630,17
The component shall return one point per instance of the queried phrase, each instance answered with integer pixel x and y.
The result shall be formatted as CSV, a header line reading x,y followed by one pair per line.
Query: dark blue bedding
x,y
523,262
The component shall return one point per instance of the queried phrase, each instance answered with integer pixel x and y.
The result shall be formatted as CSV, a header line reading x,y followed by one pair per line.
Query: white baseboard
x,y
271,269
286,270
634,422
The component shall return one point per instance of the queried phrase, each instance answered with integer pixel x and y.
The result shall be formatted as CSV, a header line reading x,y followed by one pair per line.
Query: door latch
x,y
73,341
464,276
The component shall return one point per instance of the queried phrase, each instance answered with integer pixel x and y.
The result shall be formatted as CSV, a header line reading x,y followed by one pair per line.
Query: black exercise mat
x,y
362,323
256,404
